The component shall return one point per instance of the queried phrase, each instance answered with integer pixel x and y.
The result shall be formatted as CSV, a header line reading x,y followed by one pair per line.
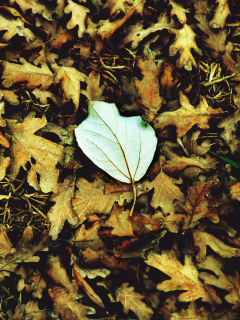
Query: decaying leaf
x,y
98,196
42,154
179,11
148,87
221,13
188,114
165,192
62,209
78,16
132,300
204,239
184,42
88,238
27,72
123,147
183,277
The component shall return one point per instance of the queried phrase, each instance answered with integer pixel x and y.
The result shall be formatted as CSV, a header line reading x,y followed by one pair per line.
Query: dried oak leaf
x,y
235,191
42,154
183,277
26,72
99,196
179,11
59,275
86,287
4,163
165,192
188,114
117,6
200,203
68,305
24,252
6,247
70,79
79,14
229,134
62,209
167,80
176,163
60,37
137,32
120,222
107,28
191,145
148,87
221,280
14,27
192,312
220,15
3,141
32,281
94,91
232,66
35,6
9,96
132,300
183,43
204,239
88,238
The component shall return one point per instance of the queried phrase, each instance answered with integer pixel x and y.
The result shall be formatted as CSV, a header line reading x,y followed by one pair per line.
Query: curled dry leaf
x,y
132,300
59,275
183,277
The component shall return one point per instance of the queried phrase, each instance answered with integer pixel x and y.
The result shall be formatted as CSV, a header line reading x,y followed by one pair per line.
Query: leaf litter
x,y
160,82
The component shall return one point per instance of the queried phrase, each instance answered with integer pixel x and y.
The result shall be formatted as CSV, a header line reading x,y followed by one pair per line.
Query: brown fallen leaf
x,y
220,279
86,287
62,209
6,247
148,87
42,154
70,79
3,141
99,196
59,275
192,312
179,11
120,221
229,134
183,43
24,252
235,191
220,15
183,277
132,300
78,16
94,91
176,163
200,203
168,80
9,96
88,238
35,6
68,305
32,281
14,27
165,192
188,114
204,239
26,72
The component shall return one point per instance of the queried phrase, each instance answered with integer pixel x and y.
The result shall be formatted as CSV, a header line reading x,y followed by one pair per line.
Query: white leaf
x,y
123,147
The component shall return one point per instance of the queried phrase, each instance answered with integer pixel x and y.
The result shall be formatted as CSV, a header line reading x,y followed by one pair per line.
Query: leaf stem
x,y
134,198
